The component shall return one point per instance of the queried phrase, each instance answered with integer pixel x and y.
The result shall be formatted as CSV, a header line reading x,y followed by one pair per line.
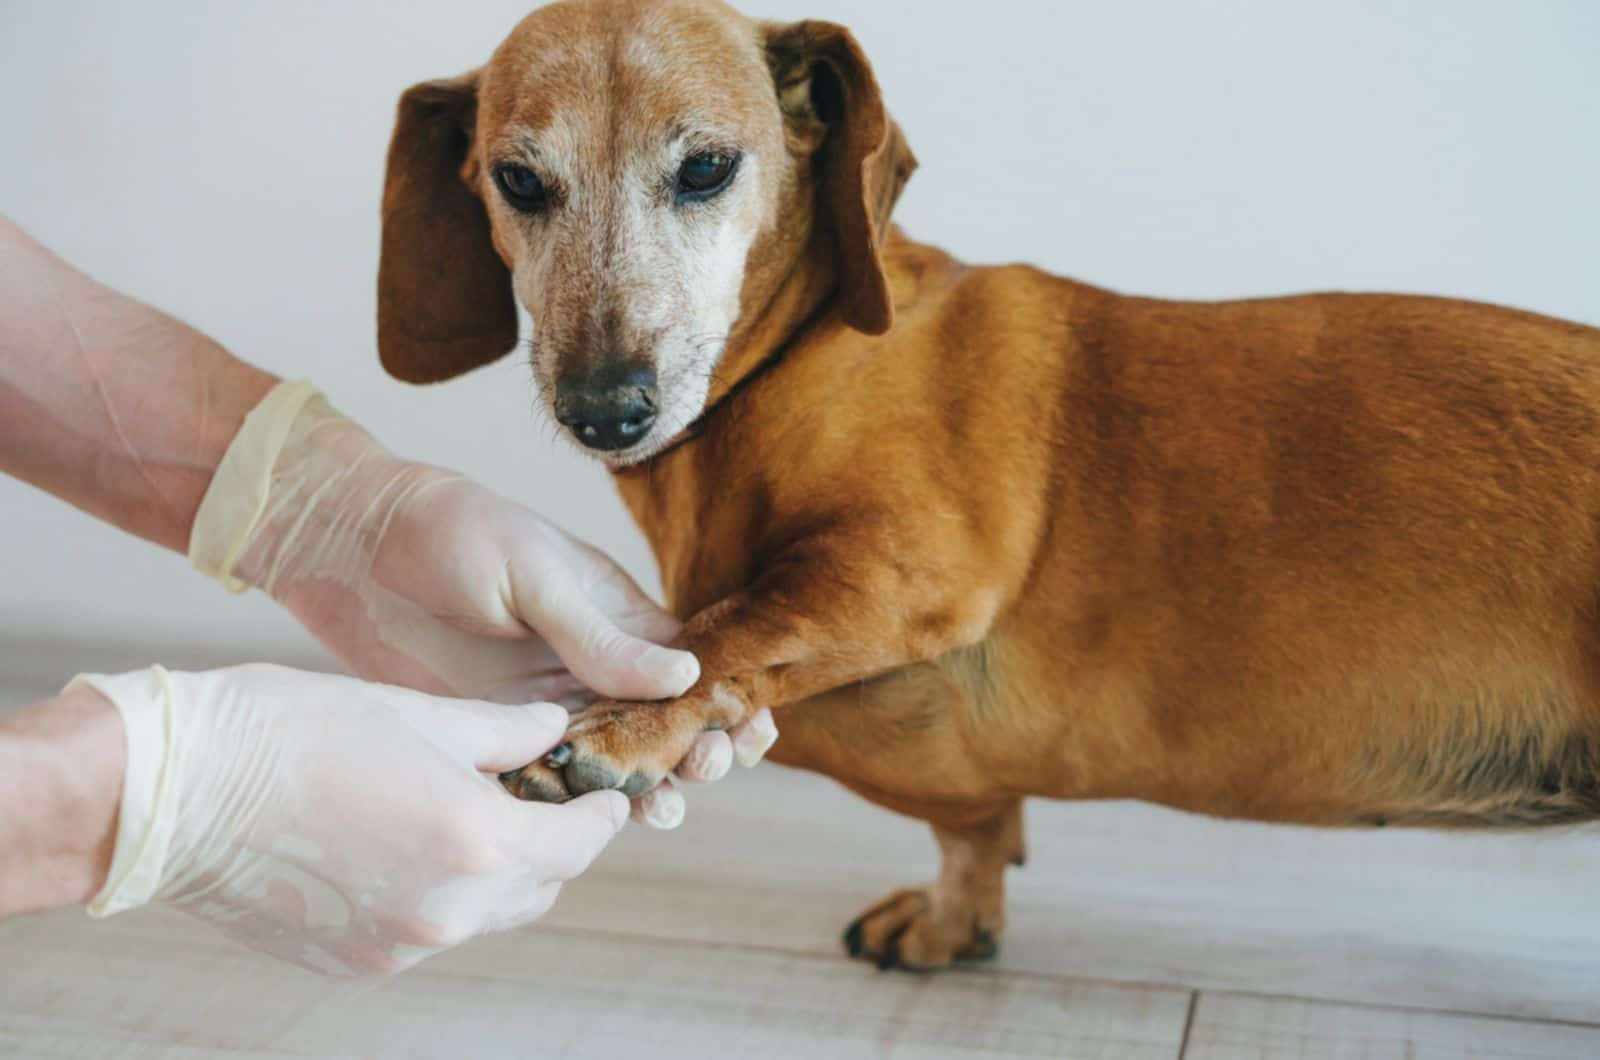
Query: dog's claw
x,y
855,944
905,932
890,957
535,783
984,947
559,758
853,938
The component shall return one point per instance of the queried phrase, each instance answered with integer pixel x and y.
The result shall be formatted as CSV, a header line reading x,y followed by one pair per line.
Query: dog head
x,y
642,177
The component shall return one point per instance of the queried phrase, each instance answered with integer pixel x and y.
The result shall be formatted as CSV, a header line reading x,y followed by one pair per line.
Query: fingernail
x,y
675,671
550,715
663,809
710,760
755,740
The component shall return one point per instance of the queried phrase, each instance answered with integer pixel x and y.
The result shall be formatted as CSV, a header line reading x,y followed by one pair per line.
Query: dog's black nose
x,y
609,409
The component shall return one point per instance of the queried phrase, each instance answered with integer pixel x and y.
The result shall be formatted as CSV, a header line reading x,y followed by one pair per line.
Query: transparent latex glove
x,y
419,577
348,827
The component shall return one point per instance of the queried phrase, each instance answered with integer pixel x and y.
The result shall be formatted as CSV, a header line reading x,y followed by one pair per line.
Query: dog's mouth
x,y
662,439
643,450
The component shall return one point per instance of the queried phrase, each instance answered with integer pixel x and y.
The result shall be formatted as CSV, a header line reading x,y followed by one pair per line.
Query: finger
x,y
562,689
645,619
497,903
533,900
709,759
753,739
494,738
578,702
403,957
661,807
613,663
338,958
558,842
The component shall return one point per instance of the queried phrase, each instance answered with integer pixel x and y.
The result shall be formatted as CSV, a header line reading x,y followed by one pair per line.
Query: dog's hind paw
x,y
921,930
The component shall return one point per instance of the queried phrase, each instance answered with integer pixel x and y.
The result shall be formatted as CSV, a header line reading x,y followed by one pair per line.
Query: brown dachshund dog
x,y
986,533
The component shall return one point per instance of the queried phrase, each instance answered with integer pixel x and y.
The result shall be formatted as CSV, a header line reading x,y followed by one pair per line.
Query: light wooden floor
x,y
1135,933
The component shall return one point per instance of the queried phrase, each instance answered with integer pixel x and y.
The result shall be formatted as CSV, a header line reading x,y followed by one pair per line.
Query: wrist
x,y
61,771
298,480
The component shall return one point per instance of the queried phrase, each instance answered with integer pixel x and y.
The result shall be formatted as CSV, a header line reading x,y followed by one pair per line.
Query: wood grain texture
x,y
151,982
1232,1027
1495,924
722,939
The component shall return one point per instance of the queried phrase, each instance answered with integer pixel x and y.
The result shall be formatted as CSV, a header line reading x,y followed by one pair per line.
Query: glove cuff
x,y
237,497
148,813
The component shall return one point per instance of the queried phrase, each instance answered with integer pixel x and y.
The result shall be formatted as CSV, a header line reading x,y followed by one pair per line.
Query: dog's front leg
x,y
829,612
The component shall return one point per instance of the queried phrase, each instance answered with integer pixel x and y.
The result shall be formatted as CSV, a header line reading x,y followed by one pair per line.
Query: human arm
x,y
116,408
61,770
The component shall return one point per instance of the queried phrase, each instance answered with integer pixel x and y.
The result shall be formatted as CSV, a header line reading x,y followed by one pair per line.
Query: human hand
x,y
347,827
416,576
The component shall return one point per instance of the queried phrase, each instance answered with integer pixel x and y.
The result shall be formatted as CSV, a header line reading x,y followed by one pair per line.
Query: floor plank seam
x,y
993,972
1421,1010
1188,1024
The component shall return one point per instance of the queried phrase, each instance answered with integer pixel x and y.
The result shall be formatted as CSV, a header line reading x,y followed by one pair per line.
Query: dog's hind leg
x,y
916,742
958,917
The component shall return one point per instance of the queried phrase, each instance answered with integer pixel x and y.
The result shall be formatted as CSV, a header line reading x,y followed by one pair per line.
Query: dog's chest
x,y
707,536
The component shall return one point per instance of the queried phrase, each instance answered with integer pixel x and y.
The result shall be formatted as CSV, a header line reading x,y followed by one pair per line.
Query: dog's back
x,y
1333,556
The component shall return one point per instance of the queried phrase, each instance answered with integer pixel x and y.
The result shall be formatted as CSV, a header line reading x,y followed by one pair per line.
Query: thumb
x,y
629,667
495,738
561,841
607,660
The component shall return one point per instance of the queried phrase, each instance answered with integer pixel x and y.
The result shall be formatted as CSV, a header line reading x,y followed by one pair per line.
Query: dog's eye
x,y
521,186
703,176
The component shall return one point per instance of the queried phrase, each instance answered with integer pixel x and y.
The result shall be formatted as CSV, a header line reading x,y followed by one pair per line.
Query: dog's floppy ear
x,y
831,104
444,296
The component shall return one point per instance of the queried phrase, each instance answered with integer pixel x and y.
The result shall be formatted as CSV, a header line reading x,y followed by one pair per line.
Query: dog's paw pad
x,y
587,773
569,771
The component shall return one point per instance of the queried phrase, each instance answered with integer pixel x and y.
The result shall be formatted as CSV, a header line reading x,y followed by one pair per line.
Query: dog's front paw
x,y
628,747
922,929
539,781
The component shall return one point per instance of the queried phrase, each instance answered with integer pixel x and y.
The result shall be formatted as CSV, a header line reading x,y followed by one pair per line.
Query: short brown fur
x,y
1330,559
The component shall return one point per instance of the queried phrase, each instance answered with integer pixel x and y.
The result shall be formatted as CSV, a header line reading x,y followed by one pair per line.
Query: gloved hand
x,y
344,826
416,576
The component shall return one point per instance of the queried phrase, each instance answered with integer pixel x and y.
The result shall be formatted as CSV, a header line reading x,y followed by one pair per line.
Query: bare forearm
x,y
61,765
110,405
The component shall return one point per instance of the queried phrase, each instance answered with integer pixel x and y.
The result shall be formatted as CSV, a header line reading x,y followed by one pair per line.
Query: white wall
x,y
223,161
